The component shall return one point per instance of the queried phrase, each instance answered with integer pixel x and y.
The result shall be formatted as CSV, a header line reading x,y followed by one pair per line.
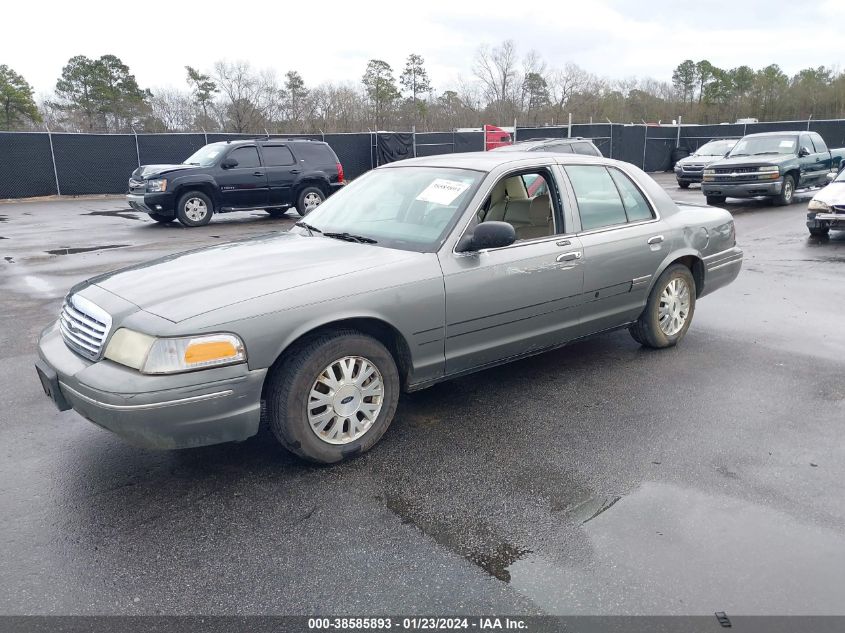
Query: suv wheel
x,y
333,396
309,199
194,209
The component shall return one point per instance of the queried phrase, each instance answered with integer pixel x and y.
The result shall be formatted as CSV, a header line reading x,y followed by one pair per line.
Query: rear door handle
x,y
570,256
656,239
258,173
295,171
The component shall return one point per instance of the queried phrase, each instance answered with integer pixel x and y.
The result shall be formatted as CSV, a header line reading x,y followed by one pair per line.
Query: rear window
x,y
315,153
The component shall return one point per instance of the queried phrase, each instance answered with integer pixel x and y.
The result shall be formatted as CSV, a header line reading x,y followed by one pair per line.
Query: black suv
x,y
269,174
574,145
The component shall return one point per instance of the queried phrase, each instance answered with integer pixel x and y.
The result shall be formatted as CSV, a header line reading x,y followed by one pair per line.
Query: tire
x,y
162,219
820,231
787,193
648,330
190,208
291,409
276,213
305,201
716,199
683,184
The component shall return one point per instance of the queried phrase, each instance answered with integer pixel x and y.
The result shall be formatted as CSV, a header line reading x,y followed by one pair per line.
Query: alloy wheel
x,y
196,209
673,311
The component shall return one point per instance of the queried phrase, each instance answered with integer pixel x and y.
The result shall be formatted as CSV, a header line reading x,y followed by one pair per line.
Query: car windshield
x,y
206,156
775,144
715,148
410,208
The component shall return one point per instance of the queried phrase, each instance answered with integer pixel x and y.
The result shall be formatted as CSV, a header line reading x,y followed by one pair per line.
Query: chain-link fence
x,y
42,164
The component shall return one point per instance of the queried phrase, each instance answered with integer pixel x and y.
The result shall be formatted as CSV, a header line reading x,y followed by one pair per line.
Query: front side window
x,y
246,157
804,141
523,201
409,208
599,203
818,141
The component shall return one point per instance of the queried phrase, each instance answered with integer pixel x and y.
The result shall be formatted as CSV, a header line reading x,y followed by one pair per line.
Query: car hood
x,y
763,159
145,172
834,193
184,285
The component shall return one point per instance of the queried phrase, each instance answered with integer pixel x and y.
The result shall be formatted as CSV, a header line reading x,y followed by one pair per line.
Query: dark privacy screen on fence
x,y
102,163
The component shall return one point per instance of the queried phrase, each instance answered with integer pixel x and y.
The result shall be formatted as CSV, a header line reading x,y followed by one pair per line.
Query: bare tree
x,y
497,71
251,101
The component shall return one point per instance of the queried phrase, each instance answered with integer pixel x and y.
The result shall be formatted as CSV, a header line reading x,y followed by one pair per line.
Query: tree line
x,y
102,95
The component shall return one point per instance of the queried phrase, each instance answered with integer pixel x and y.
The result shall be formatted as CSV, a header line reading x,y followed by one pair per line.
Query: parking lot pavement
x,y
601,478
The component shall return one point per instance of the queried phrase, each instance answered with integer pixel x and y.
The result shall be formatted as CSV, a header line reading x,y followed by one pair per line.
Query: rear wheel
x,y
194,209
787,193
309,199
668,312
333,396
716,199
162,219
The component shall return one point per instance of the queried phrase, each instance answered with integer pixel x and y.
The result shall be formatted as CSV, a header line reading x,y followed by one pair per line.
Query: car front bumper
x,y
688,176
163,412
742,189
161,203
822,220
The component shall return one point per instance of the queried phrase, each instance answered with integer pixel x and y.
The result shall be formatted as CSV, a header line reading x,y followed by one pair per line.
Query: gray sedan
x,y
417,272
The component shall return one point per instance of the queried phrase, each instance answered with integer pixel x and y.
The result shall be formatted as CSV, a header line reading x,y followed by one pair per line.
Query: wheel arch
x,y
311,180
371,325
206,187
691,260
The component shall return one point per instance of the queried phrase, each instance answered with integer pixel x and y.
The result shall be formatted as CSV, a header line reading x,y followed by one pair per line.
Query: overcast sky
x,y
332,41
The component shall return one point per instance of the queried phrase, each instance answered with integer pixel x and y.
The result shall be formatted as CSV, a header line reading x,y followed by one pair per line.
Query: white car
x,y
827,208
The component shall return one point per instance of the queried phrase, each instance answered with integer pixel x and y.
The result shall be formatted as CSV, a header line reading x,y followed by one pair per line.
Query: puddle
x,y
668,550
3,238
11,260
479,545
126,214
3,218
66,250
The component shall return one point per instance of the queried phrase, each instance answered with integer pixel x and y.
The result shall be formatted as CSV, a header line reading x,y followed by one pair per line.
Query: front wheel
x,y
820,231
683,184
309,199
668,312
194,209
716,199
333,396
787,192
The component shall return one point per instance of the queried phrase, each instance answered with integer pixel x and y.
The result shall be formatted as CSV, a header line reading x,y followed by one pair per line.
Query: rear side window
x,y
821,146
598,198
585,148
636,207
277,155
315,153
246,156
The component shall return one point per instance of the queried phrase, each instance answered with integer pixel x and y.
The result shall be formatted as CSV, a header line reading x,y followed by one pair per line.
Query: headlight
x,y
151,355
709,172
769,168
818,205
157,185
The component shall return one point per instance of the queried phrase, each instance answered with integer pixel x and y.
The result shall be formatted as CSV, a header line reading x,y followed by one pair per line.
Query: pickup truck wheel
x,y
194,209
787,192
333,396
820,231
162,219
668,312
309,199
683,184
716,199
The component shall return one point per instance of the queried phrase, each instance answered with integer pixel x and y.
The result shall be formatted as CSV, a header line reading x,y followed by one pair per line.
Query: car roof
x,y
783,133
263,141
488,161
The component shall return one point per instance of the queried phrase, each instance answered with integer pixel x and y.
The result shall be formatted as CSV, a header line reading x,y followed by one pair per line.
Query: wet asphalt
x,y
598,479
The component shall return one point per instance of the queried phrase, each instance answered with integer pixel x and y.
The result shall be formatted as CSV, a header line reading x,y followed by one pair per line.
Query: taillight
x,y
340,177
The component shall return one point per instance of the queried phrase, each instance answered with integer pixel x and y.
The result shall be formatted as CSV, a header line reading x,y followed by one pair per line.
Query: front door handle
x,y
656,239
258,173
295,171
570,256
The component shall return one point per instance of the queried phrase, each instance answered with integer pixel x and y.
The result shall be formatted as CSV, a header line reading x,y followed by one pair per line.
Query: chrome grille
x,y
736,170
84,326
137,186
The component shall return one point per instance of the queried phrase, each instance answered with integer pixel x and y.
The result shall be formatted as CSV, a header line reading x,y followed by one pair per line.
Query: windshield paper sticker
x,y
442,191
786,143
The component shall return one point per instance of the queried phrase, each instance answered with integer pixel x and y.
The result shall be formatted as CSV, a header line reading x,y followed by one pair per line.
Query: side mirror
x,y
489,234
831,176
803,152
228,163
